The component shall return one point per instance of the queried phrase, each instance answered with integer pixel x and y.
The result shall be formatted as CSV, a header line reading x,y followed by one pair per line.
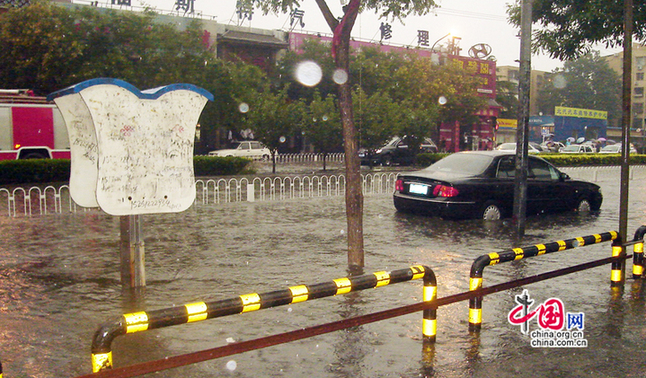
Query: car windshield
x,y
507,147
465,163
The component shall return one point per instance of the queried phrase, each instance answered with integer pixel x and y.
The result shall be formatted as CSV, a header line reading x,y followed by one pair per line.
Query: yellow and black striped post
x,y
193,312
638,253
618,268
477,268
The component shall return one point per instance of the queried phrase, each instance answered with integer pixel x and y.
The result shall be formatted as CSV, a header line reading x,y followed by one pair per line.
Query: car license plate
x,y
418,189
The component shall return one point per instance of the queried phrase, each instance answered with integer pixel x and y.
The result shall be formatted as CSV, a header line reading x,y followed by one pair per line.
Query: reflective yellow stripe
x,y
475,284
581,241
429,327
196,311
615,275
519,253
475,315
638,248
418,272
616,250
299,293
614,235
541,249
638,270
101,361
383,278
494,257
430,293
250,302
343,285
597,238
562,245
136,322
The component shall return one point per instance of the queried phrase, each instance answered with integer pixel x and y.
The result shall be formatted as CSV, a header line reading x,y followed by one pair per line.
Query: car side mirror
x,y
564,176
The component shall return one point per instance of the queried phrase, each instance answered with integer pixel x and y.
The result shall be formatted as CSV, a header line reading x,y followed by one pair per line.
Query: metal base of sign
x,y
133,271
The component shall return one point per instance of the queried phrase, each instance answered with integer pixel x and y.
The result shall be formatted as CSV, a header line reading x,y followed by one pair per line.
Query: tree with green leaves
x,y
342,29
47,47
272,118
322,125
568,29
586,82
507,97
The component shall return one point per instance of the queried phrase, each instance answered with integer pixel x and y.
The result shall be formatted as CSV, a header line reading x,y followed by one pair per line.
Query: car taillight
x,y
399,185
444,191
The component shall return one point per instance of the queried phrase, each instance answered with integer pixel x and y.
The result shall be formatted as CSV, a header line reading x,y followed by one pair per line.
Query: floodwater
x,y
59,280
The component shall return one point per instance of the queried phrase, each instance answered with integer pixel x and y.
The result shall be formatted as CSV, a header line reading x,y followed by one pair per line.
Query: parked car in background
x,y
616,149
552,146
532,148
396,151
480,184
578,149
249,149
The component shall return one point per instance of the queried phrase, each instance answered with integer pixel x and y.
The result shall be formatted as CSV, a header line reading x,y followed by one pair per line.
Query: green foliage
x,y
63,46
426,159
374,116
322,125
586,82
220,166
507,97
567,29
577,160
34,171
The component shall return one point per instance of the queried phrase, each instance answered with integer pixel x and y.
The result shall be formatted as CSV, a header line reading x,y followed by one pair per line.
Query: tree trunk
x,y
353,192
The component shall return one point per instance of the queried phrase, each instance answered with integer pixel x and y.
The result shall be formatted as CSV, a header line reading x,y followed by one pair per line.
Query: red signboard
x,y
32,127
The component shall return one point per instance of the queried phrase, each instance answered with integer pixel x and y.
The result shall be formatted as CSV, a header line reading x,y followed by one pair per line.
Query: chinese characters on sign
x,y
296,15
422,38
121,2
484,69
386,31
245,12
580,113
552,319
188,6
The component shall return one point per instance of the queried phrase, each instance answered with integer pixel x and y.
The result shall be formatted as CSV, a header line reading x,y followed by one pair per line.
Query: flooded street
x,y
59,280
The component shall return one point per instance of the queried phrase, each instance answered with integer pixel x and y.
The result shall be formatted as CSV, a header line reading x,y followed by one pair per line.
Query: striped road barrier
x,y
147,320
477,268
638,253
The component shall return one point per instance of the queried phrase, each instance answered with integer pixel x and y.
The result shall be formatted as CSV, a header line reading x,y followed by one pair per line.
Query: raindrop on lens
x,y
325,118
559,81
232,365
308,73
442,100
282,139
243,107
340,76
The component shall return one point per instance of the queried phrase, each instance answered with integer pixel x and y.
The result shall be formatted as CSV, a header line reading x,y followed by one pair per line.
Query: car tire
x,y
387,160
265,157
583,206
491,211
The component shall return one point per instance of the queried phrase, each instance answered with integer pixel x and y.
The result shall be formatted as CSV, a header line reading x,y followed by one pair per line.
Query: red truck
x,y
31,127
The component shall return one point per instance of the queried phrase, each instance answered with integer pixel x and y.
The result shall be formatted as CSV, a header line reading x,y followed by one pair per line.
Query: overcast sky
x,y
474,21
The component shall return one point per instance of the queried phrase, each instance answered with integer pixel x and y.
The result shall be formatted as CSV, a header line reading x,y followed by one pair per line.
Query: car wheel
x,y
491,211
583,206
387,160
265,157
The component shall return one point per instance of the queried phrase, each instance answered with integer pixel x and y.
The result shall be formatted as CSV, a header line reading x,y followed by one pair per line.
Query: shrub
x,y
34,171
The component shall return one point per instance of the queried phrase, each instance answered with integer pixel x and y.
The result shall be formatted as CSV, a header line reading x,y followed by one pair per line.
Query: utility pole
x,y
522,132
626,117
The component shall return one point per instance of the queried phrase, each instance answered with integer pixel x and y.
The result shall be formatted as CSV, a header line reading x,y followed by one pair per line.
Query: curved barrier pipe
x,y
477,268
638,253
146,320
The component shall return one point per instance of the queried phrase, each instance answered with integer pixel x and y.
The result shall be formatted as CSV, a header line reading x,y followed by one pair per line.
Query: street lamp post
x,y
433,47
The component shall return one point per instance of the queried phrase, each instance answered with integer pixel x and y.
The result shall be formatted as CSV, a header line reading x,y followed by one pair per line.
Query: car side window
x,y
255,145
540,170
506,168
244,145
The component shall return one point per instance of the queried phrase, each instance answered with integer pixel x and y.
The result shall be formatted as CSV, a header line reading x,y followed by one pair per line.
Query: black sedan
x,y
396,151
480,184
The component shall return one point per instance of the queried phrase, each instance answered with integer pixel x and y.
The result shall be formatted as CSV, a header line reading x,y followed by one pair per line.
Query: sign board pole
x,y
133,271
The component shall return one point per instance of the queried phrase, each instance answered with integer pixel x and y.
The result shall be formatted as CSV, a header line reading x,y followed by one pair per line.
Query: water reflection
x,y
59,279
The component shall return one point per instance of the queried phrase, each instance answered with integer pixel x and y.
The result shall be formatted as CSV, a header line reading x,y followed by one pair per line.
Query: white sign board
x,y
142,162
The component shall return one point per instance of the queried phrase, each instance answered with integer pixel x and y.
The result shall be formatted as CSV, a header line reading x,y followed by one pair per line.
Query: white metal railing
x,y
38,201
309,158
